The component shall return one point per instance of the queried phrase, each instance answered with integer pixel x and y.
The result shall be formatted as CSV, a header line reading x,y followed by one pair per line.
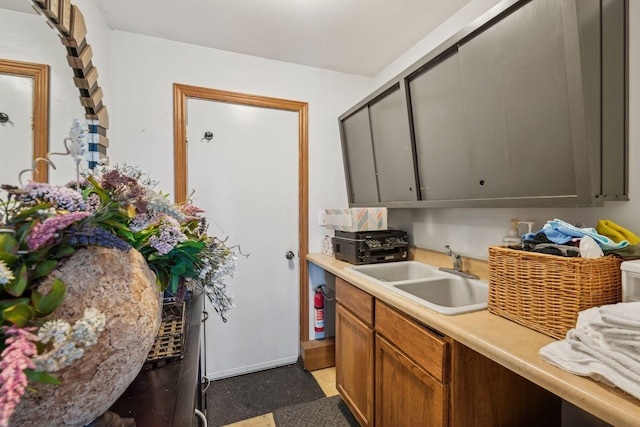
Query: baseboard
x,y
251,368
318,354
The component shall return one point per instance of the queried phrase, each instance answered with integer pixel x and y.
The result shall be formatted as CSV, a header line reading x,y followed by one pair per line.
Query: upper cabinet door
x,y
358,155
392,147
443,144
523,90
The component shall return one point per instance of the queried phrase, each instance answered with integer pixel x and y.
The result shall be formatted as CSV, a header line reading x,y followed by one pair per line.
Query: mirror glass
x,y
26,36
17,93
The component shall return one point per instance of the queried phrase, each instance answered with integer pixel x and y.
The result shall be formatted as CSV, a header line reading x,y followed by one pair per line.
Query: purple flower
x,y
15,358
42,234
60,197
93,202
170,235
87,234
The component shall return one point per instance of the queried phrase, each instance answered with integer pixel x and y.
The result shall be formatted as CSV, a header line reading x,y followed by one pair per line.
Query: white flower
x,y
86,330
67,342
6,275
55,330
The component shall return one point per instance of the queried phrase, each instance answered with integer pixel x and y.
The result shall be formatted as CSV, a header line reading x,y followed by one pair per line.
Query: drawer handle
x,y
201,416
205,316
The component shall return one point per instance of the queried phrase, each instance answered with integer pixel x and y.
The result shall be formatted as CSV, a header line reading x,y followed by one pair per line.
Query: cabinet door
x,y
392,147
357,150
406,395
523,77
443,147
354,364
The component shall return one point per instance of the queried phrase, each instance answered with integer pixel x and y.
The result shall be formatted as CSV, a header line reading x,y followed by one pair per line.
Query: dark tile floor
x,y
325,378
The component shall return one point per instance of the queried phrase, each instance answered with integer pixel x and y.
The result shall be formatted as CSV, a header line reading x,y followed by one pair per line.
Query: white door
x,y
246,179
16,133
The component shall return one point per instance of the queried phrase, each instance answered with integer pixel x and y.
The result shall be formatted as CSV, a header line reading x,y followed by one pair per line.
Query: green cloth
x,y
627,253
615,232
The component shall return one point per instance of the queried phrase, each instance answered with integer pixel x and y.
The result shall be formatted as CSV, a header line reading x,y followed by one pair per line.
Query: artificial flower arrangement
x,y
42,224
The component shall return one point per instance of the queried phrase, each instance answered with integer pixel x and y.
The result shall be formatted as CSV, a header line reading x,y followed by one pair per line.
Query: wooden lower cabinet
x,y
406,395
393,371
484,393
354,371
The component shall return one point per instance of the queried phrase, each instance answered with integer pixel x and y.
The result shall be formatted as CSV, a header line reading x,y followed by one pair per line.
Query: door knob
x,y
290,255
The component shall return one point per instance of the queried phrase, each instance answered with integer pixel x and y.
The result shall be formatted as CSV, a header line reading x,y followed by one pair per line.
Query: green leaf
x,y
9,258
17,286
41,377
8,243
64,252
178,269
46,304
6,303
19,314
43,268
173,285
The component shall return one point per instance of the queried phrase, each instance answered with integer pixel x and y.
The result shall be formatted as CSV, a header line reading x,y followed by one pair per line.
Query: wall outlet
x,y
322,218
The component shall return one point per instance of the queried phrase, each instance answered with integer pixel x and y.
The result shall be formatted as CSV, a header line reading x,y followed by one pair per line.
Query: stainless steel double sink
x,y
439,291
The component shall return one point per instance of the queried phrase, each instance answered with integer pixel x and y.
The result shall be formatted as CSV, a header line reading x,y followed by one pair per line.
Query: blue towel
x,y
561,232
556,236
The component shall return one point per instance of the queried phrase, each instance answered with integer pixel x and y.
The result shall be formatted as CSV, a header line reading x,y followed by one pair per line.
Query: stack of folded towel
x,y
605,345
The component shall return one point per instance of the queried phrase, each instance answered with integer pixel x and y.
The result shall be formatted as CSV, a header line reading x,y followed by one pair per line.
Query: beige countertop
x,y
507,343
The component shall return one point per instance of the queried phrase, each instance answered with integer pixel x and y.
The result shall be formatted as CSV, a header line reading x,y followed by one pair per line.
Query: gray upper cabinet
x,y
357,151
524,104
525,107
392,147
378,151
443,147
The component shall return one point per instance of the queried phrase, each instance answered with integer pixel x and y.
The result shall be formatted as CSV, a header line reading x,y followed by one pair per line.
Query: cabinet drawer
x,y
358,301
426,348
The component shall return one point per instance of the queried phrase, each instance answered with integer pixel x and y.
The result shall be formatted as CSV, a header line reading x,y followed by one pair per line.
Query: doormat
x,y
325,412
246,396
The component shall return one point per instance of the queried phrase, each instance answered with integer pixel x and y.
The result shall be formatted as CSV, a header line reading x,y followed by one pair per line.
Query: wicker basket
x,y
546,292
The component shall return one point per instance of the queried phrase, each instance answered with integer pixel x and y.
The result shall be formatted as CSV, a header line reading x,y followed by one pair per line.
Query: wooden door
x,y
354,364
246,179
406,395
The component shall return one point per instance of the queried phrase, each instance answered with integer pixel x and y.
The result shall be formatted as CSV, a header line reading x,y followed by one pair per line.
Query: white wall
x,y
470,231
141,107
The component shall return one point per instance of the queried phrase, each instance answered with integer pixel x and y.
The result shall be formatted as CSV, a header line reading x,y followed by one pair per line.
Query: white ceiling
x,y
352,36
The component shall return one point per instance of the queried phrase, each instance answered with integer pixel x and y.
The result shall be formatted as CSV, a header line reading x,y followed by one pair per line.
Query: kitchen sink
x,y
425,284
451,295
396,271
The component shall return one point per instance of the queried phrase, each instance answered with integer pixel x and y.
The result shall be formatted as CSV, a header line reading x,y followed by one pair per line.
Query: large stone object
x,y
121,286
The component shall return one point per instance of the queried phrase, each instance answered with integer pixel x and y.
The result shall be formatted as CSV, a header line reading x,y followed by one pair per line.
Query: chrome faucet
x,y
457,265
457,261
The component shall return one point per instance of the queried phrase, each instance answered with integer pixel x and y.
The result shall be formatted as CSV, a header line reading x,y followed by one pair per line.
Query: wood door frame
x,y
181,93
40,75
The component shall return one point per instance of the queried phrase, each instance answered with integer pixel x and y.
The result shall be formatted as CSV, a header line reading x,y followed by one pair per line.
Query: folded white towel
x,y
626,340
609,332
630,349
623,315
606,352
562,355
586,317
617,360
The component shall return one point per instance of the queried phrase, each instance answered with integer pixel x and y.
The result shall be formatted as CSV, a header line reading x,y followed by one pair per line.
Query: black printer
x,y
370,247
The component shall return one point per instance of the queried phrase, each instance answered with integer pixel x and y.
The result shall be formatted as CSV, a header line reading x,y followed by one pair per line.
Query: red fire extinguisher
x,y
318,305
